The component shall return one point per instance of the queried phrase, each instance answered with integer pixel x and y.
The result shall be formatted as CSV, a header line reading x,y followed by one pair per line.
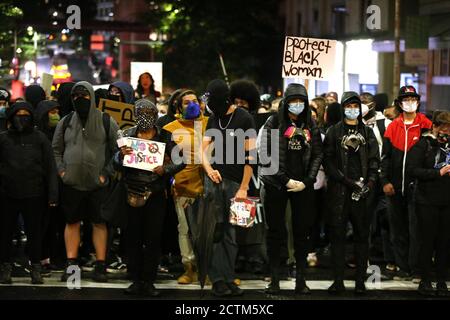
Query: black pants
x,y
318,228
303,214
144,238
53,245
403,226
32,210
434,230
356,213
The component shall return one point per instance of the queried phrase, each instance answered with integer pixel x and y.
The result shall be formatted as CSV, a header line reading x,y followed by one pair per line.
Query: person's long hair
x,y
140,89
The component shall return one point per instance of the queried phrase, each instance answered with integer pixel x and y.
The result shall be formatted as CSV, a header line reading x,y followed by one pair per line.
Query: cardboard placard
x,y
123,113
46,83
147,154
308,58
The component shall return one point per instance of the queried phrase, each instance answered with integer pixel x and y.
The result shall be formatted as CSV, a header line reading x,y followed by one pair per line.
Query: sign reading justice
x,y
308,58
147,154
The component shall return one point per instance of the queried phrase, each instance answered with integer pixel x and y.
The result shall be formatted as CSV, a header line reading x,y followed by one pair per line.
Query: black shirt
x,y
227,156
295,148
354,161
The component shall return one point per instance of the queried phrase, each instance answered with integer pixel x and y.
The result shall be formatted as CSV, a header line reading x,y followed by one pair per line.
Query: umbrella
x,y
202,222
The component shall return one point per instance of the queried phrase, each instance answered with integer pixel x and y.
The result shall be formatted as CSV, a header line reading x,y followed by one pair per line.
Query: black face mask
x,y
114,97
22,123
442,138
82,107
219,108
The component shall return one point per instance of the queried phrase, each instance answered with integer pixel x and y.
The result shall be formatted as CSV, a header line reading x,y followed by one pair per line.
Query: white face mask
x,y
409,106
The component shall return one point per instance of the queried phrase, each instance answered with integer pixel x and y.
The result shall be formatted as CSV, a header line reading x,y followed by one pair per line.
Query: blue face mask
x,y
3,111
192,111
351,113
296,108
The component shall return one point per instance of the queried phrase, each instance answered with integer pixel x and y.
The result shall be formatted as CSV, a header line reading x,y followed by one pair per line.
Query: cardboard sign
x,y
146,155
243,213
46,83
121,112
308,58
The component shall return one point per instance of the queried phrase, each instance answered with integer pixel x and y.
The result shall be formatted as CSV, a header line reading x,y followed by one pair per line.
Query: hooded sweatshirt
x,y
126,89
3,126
27,165
64,98
300,154
34,94
41,117
83,153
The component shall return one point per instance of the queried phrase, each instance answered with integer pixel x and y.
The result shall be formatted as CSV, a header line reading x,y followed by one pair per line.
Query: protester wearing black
x,y
121,91
29,179
64,98
299,154
145,221
228,177
34,94
47,118
429,164
5,97
84,144
351,156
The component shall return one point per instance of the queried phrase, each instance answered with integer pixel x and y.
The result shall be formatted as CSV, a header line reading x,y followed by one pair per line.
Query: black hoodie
x,y
27,165
64,98
303,164
34,94
41,117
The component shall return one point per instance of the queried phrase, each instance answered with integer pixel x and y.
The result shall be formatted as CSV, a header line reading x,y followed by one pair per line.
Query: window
x,y
339,13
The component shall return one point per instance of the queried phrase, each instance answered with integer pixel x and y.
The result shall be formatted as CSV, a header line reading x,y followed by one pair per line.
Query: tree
x,y
246,33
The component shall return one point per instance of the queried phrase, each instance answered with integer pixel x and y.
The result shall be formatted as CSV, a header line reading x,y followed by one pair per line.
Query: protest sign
x,y
147,154
46,83
308,58
119,111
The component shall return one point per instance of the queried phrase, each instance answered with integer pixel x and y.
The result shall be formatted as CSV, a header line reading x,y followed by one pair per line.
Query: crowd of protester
x,y
350,171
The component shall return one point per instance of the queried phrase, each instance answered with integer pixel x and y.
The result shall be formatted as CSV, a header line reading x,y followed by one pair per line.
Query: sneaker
x,y
220,289
273,288
312,260
135,289
72,265
360,287
441,289
235,290
5,273
392,267
337,288
46,271
149,290
89,265
426,289
401,275
36,277
99,274
117,267
416,279
301,288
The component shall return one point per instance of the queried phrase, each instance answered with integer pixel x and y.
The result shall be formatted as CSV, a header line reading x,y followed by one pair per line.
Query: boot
x,y
274,286
360,287
150,291
135,289
71,265
425,288
337,287
5,273
189,276
36,277
99,274
441,289
300,285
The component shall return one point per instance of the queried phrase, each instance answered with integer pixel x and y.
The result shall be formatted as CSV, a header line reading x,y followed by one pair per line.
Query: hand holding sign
x,y
143,154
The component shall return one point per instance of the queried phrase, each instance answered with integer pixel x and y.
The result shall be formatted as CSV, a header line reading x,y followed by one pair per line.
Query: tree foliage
x,y
247,34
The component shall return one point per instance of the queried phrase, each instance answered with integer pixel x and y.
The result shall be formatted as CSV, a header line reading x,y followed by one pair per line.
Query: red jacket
x,y
398,140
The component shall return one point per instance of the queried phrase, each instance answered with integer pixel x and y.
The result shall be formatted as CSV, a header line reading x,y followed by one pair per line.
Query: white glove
x,y
299,187
292,184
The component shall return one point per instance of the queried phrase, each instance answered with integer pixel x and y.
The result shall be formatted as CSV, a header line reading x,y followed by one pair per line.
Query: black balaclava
x,y
218,96
80,104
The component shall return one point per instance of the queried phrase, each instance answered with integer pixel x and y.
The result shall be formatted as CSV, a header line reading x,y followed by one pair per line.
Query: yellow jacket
x,y
188,134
